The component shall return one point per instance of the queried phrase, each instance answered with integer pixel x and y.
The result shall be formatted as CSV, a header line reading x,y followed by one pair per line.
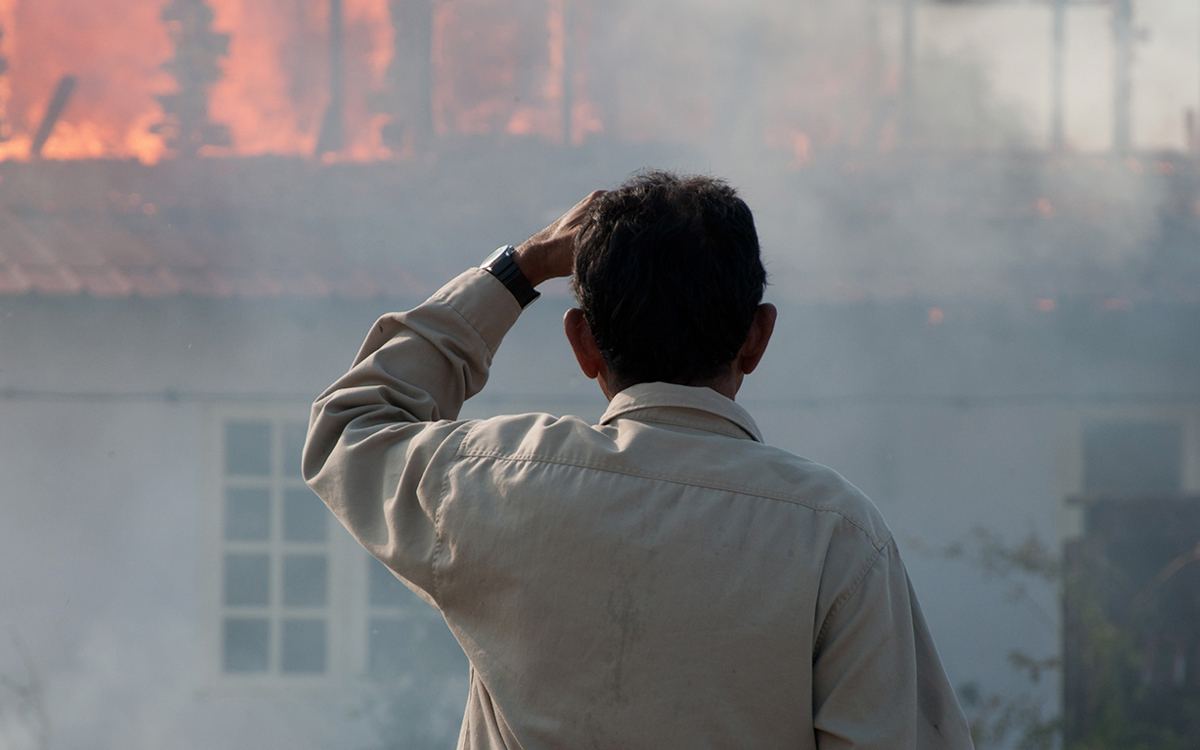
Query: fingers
x,y
580,209
567,226
551,252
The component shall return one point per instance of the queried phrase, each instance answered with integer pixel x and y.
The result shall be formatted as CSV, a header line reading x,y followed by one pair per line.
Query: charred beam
x,y
409,99
196,67
62,94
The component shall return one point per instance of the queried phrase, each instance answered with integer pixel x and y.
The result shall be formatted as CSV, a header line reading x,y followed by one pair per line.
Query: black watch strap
x,y
502,265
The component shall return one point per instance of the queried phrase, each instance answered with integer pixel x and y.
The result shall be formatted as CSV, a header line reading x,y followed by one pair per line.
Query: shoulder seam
x,y
877,543
845,597
439,538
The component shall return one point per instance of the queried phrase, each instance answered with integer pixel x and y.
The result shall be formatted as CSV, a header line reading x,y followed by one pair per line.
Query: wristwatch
x,y
503,266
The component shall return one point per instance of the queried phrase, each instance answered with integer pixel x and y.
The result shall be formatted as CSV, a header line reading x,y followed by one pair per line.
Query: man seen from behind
x,y
662,579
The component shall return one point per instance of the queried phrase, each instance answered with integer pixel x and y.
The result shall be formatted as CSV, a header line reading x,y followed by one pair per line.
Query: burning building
x,y
204,203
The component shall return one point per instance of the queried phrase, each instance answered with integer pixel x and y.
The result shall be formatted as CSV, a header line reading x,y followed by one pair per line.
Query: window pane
x,y
388,647
245,644
385,590
305,517
248,449
1129,458
247,515
304,646
293,447
304,580
247,579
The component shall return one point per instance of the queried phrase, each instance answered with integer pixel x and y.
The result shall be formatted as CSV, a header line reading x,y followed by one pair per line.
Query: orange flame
x,y
114,105
494,74
275,90
494,71
475,69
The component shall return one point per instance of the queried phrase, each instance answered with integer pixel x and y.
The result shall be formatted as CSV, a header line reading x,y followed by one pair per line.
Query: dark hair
x,y
668,275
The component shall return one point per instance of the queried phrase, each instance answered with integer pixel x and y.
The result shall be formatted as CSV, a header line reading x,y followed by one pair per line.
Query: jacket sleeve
x,y
381,437
878,682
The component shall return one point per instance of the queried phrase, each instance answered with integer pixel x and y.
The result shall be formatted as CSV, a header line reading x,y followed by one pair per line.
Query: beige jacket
x,y
660,580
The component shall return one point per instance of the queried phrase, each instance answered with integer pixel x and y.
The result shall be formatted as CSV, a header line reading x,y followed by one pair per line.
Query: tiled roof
x,y
264,228
120,230
105,256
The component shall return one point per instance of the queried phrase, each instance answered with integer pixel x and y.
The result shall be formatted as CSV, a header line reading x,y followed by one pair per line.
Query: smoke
x,y
949,289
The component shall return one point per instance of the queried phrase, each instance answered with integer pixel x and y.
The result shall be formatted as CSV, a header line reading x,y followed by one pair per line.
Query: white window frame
x,y
346,611
1070,469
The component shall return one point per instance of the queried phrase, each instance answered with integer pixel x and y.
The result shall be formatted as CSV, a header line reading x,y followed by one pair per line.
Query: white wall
x,y
948,427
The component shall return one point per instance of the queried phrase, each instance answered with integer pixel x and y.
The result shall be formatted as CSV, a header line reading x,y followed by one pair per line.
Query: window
x,y
1127,451
274,557
275,564
289,597
1128,457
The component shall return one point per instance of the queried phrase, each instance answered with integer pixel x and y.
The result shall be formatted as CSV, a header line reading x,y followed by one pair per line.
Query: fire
x,y
472,105
230,78
163,78
115,49
275,89
829,94
493,72
270,106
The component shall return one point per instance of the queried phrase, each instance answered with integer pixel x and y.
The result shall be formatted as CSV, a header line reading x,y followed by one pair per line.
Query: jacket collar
x,y
683,405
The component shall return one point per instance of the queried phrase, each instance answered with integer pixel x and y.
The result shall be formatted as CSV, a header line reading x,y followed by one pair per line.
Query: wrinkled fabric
x,y
660,580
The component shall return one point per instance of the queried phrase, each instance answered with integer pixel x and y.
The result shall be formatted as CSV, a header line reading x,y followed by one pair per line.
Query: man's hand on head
x,y
550,254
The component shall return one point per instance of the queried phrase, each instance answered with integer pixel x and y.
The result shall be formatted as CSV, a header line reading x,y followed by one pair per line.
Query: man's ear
x,y
579,333
757,339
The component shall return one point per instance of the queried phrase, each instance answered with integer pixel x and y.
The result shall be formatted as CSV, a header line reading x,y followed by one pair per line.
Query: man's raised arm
x,y
378,434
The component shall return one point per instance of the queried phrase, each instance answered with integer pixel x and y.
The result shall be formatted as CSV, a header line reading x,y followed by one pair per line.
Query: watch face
x,y
494,257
